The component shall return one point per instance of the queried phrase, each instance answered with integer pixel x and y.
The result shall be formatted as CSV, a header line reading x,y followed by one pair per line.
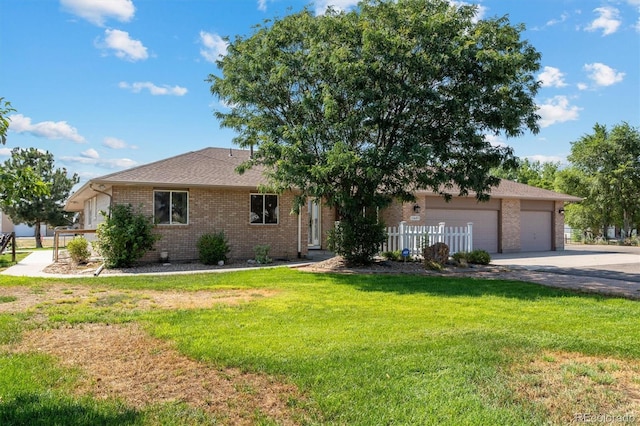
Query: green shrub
x,y
262,254
479,257
78,249
461,258
392,255
125,236
358,240
213,248
433,265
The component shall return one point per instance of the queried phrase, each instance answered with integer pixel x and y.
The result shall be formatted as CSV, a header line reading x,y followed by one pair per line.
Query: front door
x,y
314,224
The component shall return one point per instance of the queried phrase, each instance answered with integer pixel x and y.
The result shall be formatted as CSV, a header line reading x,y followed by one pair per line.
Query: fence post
x,y
13,247
469,237
402,238
441,232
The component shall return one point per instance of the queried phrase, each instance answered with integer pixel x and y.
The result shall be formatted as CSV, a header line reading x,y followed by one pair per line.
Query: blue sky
x,y
109,84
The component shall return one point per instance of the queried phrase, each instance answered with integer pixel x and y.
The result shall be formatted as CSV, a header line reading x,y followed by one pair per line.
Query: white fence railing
x,y
458,238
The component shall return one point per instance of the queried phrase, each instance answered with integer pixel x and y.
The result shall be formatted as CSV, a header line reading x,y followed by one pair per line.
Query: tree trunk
x,y
38,236
626,224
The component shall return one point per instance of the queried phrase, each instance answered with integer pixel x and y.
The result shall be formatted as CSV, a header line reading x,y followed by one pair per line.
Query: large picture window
x,y
264,209
171,207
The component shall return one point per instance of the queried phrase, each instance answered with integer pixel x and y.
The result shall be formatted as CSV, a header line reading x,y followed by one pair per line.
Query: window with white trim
x,y
264,209
171,207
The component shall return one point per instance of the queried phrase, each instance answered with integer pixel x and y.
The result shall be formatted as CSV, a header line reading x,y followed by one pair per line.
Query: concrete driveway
x,y
590,260
603,269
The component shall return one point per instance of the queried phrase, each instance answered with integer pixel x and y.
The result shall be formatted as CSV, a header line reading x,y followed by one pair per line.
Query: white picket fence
x,y
458,238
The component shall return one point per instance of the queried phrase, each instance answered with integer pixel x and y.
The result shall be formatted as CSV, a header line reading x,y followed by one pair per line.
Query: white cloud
x,y
45,129
5,152
97,11
115,143
552,77
213,46
481,10
322,5
495,140
90,153
557,110
114,163
547,158
603,75
583,86
562,19
608,20
138,86
262,5
124,46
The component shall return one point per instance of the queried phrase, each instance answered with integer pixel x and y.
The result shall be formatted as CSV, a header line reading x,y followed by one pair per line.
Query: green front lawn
x,y
5,259
368,349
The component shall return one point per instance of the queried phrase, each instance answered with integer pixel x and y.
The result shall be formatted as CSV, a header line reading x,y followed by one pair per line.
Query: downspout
x,y
299,235
105,193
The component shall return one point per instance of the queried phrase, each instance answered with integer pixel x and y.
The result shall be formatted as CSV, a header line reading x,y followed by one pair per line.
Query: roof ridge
x,y
111,175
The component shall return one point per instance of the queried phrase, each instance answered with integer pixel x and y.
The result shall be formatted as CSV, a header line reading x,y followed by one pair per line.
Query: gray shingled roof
x,y
516,190
215,167
207,167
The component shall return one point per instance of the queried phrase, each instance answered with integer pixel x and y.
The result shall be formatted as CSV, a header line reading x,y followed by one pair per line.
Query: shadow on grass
x,y
30,409
453,286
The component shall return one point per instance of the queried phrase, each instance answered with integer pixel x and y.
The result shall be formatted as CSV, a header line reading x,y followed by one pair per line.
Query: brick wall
x,y
558,223
213,210
509,222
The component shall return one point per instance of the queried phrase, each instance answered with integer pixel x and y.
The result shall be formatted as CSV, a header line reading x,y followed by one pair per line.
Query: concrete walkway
x,y
32,265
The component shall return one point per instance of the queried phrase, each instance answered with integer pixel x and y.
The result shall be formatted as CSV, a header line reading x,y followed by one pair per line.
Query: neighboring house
x,y
21,229
199,192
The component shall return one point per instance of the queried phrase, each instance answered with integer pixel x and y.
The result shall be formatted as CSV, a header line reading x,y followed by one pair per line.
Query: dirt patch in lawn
x,y
122,361
575,388
24,298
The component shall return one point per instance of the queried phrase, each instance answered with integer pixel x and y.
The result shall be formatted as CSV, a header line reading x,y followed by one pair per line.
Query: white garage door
x,y
485,225
535,231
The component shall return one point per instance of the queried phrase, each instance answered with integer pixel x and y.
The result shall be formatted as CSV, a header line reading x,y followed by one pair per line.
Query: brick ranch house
x,y
199,192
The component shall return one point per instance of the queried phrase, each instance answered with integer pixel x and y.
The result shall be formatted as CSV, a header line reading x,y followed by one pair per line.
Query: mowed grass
x,y
6,259
368,349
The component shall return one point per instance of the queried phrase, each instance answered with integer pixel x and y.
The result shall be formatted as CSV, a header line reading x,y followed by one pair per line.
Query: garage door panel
x,y
485,225
536,231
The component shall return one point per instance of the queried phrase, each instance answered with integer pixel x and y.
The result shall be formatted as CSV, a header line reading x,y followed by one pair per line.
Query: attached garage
x,y
459,212
516,218
536,226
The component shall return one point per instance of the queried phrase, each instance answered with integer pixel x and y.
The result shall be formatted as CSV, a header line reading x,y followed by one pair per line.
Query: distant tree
x,y
33,192
359,108
592,214
606,172
534,173
5,110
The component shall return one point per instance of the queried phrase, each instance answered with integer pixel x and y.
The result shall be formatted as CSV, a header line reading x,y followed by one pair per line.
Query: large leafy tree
x,y
5,109
358,108
531,172
606,173
33,192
